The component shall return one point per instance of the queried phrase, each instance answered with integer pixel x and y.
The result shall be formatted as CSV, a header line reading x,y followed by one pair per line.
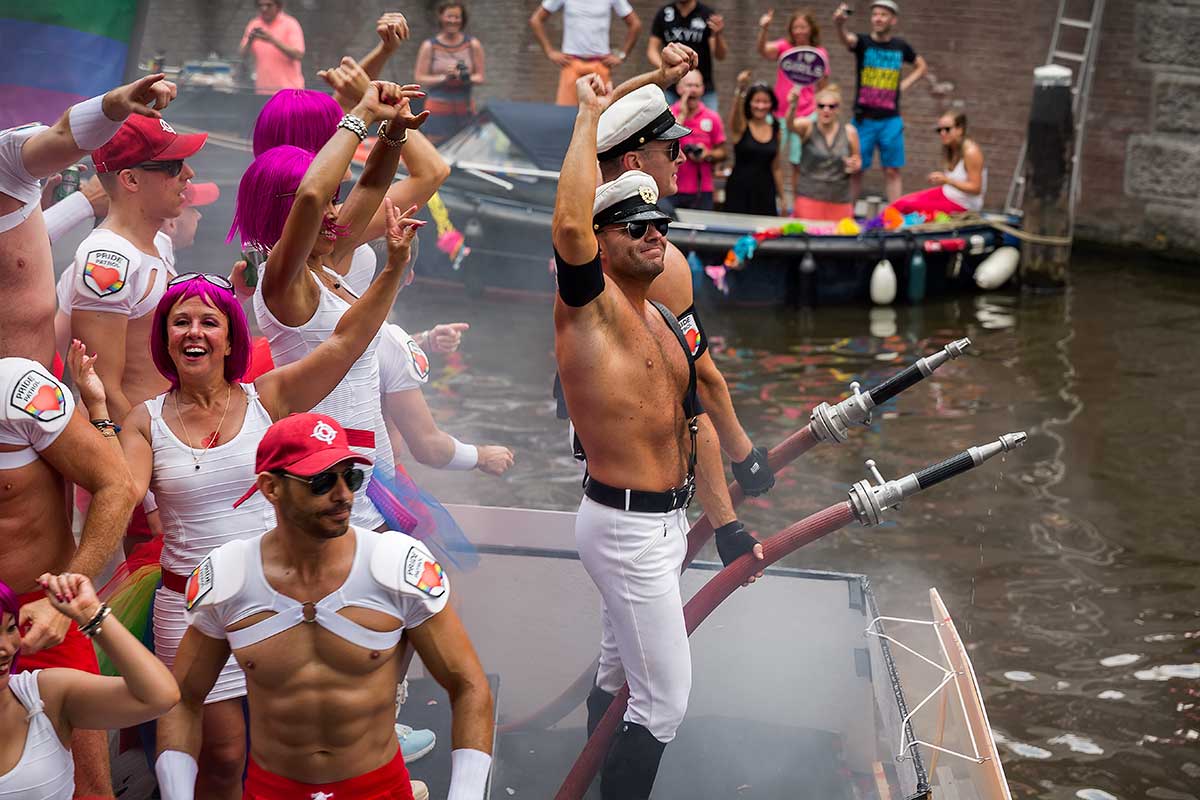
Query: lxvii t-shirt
x,y
879,66
690,29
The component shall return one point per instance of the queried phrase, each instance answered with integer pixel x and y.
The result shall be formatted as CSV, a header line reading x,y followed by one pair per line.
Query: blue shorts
x,y
887,134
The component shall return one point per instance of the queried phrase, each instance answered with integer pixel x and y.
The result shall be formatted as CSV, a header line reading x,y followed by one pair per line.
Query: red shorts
x,y
389,782
75,651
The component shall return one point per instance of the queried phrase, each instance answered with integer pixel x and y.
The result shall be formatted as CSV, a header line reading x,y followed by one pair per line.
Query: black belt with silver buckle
x,y
639,501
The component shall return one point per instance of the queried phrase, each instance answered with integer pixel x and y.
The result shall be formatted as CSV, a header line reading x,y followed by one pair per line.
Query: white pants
x,y
169,627
634,560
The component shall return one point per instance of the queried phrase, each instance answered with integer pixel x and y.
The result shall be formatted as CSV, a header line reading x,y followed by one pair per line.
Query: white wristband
x,y
176,772
89,127
466,456
468,774
66,214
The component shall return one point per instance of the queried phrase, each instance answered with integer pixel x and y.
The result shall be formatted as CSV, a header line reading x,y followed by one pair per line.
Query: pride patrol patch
x,y
39,396
199,584
420,361
104,272
424,573
691,332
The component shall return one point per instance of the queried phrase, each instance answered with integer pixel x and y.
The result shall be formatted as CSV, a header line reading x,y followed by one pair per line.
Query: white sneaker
x,y
414,744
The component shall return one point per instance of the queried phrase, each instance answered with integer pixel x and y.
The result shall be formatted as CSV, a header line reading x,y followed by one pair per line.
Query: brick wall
x,y
986,48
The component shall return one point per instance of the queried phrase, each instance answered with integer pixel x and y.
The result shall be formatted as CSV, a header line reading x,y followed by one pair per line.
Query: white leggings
x,y
634,559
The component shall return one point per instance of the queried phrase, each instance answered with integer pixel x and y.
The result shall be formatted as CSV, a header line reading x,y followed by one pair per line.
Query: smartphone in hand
x,y
254,259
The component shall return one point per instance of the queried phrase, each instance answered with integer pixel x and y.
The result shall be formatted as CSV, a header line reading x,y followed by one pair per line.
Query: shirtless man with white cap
x,y
33,152
313,611
630,383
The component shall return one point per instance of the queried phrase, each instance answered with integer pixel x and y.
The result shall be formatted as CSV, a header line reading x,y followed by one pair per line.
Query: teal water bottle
x,y
916,276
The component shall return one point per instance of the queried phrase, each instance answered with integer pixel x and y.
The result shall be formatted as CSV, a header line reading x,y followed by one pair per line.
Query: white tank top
x,y
196,505
971,202
46,770
354,402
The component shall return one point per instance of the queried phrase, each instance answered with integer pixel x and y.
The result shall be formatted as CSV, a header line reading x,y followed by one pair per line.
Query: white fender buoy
x,y
995,270
883,283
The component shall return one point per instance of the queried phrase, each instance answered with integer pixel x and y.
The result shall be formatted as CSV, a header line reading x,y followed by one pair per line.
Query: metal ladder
x,y
1082,65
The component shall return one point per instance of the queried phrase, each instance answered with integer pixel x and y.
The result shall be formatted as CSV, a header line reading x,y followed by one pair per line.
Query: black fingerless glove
x,y
754,475
734,541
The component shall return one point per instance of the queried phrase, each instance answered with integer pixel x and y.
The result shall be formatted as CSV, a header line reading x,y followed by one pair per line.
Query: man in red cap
x,y
28,154
321,695
122,268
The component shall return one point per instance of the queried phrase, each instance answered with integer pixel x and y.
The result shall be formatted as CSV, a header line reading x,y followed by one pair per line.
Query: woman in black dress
x,y
753,186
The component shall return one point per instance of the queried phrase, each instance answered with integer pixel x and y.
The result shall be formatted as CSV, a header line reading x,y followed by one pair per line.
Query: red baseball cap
x,y
141,139
303,445
201,194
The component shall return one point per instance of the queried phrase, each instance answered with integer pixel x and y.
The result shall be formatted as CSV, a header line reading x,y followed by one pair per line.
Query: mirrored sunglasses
x,y
172,168
323,482
215,280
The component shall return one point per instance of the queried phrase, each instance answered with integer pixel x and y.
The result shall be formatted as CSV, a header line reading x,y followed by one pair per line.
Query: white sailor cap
x,y
632,197
637,118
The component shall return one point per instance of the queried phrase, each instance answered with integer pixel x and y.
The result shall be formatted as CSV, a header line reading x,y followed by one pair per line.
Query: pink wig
x,y
9,604
300,117
223,300
265,195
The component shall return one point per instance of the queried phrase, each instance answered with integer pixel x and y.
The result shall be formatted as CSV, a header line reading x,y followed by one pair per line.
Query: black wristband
x,y
580,284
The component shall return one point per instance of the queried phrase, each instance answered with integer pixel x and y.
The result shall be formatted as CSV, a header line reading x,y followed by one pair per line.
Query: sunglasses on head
x,y
827,105
944,129
323,482
215,280
172,168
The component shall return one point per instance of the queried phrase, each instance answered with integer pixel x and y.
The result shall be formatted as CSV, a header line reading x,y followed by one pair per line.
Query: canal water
x,y
1070,566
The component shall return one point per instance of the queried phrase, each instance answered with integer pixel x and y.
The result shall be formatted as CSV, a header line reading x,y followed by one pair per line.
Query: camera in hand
x,y
463,72
692,150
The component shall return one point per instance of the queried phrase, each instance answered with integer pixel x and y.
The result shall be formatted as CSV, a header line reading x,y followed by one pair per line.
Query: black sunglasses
x,y
827,105
172,168
215,280
940,129
323,482
637,230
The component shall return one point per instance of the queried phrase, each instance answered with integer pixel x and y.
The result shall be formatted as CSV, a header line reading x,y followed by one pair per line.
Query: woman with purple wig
x,y
195,445
40,709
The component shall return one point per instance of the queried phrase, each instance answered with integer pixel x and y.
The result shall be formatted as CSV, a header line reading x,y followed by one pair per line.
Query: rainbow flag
x,y
58,52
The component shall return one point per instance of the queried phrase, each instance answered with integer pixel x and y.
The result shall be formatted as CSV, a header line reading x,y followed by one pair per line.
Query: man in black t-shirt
x,y
697,26
880,59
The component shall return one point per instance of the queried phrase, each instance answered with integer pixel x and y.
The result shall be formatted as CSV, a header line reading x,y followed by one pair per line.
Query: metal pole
x,y
1048,169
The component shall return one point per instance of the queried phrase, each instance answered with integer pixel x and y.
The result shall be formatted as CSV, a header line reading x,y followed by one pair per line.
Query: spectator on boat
x,y
699,27
962,182
43,708
702,148
880,58
275,40
754,185
829,158
449,65
585,48
802,31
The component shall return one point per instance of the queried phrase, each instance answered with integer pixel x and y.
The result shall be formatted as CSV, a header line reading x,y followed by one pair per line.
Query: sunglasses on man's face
x,y
172,168
672,149
323,482
215,280
637,230
829,106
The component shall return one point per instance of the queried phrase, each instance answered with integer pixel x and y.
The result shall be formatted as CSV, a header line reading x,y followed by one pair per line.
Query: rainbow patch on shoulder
x,y
424,573
199,584
105,272
39,396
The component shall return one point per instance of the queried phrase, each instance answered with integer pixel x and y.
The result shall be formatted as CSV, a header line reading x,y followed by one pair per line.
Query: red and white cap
x,y
141,139
302,445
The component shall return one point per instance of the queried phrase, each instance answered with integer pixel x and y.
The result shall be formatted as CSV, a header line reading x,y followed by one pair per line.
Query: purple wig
x,y
10,604
300,117
265,195
223,300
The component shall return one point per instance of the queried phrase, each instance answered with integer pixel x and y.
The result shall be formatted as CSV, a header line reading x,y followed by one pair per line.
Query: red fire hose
x,y
695,611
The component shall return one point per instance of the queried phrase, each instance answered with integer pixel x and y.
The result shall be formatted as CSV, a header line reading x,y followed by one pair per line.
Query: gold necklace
x,y
212,439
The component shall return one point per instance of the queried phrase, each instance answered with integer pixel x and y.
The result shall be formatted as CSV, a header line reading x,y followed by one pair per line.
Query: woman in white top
x,y
195,445
962,183
40,709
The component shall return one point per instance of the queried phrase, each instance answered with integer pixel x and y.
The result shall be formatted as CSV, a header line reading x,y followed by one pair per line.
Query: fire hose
x,y
828,423
866,504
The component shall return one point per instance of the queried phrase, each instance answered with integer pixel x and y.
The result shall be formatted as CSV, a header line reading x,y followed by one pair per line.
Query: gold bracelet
x,y
388,140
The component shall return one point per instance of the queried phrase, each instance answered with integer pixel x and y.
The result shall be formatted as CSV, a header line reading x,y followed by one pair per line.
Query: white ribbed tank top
x,y
46,770
196,506
355,401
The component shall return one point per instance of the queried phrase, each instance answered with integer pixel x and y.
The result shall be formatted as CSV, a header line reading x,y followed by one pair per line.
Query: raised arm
x,y
427,171
716,24
765,49
675,60
571,228
654,48
301,385
737,114
839,21
145,688
90,124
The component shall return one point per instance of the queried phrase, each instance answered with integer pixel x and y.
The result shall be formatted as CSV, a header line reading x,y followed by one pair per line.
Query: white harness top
x,y
111,274
354,402
15,180
196,505
46,770
66,282
391,573
36,410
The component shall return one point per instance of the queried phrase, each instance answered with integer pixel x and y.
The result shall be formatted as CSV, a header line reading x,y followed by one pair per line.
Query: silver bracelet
x,y
354,125
388,140
93,627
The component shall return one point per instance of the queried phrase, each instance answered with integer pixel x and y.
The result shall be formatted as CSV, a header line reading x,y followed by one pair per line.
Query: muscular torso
x,y
624,375
27,272
35,536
